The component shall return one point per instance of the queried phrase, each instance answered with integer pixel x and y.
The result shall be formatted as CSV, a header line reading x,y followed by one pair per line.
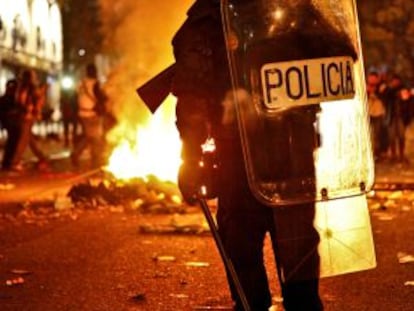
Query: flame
x,y
154,149
137,43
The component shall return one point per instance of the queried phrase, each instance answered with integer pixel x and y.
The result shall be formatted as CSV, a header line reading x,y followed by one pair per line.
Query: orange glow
x,y
155,150
138,38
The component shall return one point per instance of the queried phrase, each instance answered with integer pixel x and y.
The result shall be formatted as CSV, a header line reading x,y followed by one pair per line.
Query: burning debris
x,y
149,195
145,195
106,193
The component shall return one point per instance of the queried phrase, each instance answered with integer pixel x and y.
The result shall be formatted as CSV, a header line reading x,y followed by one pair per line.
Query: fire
x,y
138,38
154,149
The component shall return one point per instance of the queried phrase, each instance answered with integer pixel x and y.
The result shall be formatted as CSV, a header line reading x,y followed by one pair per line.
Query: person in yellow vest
x,y
91,106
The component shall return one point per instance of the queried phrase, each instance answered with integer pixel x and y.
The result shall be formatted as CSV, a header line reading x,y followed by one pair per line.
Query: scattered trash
x,y
20,272
139,297
180,296
375,206
405,258
213,308
189,223
390,204
385,217
160,275
15,281
164,258
197,264
395,195
150,194
63,202
329,297
169,228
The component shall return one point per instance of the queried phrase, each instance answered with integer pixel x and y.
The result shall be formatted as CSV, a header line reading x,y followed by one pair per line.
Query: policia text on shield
x,y
308,82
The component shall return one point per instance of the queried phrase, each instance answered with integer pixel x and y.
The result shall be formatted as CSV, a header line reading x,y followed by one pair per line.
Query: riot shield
x,y
299,94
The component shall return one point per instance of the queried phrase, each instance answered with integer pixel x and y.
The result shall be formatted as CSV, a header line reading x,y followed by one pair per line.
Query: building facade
x,y
31,37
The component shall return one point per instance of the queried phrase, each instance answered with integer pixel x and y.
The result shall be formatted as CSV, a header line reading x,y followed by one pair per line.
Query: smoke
x,y
138,37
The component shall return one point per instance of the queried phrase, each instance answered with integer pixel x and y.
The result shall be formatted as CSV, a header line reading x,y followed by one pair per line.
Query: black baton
x,y
226,260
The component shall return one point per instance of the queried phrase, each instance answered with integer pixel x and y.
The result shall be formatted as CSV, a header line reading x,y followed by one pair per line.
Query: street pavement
x,y
105,258
35,184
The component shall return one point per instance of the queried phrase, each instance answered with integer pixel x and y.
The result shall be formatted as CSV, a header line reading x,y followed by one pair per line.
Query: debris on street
x,y
385,217
215,308
405,258
15,281
197,264
180,296
178,223
62,202
164,258
108,194
20,272
38,213
138,297
147,195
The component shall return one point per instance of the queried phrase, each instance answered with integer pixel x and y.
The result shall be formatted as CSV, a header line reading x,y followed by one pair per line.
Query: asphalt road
x,y
56,258
97,259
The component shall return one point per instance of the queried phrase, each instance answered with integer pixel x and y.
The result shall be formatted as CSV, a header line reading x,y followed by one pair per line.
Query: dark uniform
x,y
11,122
200,84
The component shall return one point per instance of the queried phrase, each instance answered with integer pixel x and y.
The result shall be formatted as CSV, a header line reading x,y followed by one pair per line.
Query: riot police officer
x,y
201,83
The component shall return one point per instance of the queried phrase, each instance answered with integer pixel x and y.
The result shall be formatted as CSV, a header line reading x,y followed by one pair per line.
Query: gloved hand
x,y
192,178
190,181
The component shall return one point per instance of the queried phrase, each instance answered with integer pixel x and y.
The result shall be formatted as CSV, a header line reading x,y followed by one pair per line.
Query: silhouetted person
x,y
69,112
30,97
201,83
390,96
400,118
377,111
11,122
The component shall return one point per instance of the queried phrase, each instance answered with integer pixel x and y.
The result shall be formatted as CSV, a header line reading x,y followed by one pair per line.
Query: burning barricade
x,y
150,195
